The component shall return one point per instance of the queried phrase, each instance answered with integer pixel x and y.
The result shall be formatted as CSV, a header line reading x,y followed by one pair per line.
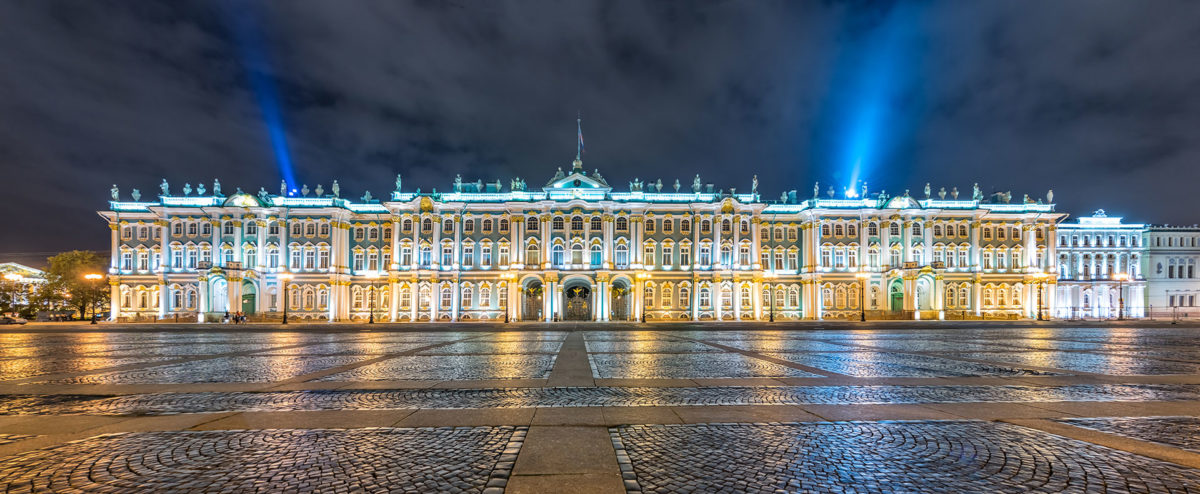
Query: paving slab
x,y
469,417
566,450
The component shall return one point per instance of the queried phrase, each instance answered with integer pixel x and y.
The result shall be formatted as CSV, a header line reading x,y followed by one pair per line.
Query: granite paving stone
x,y
446,459
1181,432
952,456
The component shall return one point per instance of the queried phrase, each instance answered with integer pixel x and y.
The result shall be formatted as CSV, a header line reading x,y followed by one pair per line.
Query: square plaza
x,y
786,407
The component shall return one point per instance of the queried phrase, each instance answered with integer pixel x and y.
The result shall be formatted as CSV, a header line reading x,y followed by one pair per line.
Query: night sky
x,y
1095,99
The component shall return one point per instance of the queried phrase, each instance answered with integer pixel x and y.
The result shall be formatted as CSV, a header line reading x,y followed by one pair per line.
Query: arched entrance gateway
x,y
896,295
578,303
249,298
531,300
620,300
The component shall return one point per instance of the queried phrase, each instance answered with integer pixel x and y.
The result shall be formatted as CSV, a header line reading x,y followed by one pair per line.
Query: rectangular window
x,y
468,256
485,256
668,225
503,256
406,256
650,225
323,259
685,256
447,255
666,254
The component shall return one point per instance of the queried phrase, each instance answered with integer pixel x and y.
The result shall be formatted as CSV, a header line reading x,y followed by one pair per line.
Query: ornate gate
x,y
532,299
579,304
620,303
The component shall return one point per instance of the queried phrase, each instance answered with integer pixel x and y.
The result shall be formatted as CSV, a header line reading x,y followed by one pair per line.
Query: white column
x,y
455,300
115,249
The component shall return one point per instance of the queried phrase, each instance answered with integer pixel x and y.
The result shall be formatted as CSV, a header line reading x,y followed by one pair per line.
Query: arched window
x,y
622,223
705,297
532,254
427,225
685,296
577,223
596,226
531,224
596,257
577,253
557,223
556,255
621,256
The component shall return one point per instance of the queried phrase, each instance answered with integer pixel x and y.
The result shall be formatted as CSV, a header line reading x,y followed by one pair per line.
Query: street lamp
x,y
284,278
372,276
1040,280
771,297
13,278
1121,279
94,278
862,276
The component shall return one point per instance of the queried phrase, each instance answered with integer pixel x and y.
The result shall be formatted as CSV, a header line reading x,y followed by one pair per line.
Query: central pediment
x,y
577,179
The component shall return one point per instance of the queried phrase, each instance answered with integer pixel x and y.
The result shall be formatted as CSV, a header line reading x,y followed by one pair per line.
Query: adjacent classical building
x,y
1170,266
1100,268
576,249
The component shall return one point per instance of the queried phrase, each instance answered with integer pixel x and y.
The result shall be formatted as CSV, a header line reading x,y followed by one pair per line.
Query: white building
x,y
1099,268
1170,265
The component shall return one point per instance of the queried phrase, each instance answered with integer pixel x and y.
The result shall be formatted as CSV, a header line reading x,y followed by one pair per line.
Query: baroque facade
x,y
578,250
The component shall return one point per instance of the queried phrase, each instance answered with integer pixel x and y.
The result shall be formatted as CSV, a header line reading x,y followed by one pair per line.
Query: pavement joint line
x,y
573,344
778,361
944,355
1149,449
343,368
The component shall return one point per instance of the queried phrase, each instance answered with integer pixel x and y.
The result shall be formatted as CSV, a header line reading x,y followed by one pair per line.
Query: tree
x,y
65,278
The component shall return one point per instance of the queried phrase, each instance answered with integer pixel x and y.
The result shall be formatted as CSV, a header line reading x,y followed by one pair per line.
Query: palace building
x,y
576,249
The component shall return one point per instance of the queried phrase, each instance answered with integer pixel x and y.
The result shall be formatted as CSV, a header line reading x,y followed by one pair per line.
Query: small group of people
x,y
237,317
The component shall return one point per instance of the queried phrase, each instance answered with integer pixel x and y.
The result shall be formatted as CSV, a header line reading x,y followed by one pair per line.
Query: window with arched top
x,y
596,225
557,223
577,223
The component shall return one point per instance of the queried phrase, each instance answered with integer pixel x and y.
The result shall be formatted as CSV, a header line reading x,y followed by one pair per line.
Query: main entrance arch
x,y
249,297
531,300
620,300
896,295
578,303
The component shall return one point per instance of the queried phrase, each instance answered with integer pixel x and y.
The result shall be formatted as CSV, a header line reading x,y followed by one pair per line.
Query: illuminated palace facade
x,y
578,250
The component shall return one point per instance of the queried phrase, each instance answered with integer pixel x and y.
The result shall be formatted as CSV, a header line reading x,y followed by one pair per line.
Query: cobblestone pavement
x,y
495,347
464,459
223,369
19,368
965,456
1181,432
12,438
168,403
1114,365
451,367
879,364
686,366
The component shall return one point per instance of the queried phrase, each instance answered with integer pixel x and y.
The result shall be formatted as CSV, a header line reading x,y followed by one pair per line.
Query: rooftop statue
x,y
304,190
337,189
1050,196
216,187
830,192
927,190
754,185
398,182
864,191
116,193
658,185
166,189
677,186
457,182
187,188
263,195
136,195
954,193
976,195
816,190
320,191
367,197
283,188
783,197
200,190
942,193
696,183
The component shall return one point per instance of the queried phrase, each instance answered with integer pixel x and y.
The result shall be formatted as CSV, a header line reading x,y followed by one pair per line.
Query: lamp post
x,y
372,276
863,277
1040,281
13,278
94,279
1121,279
284,278
770,275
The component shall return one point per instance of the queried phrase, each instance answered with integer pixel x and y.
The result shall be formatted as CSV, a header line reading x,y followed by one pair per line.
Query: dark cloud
x,y
1093,98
